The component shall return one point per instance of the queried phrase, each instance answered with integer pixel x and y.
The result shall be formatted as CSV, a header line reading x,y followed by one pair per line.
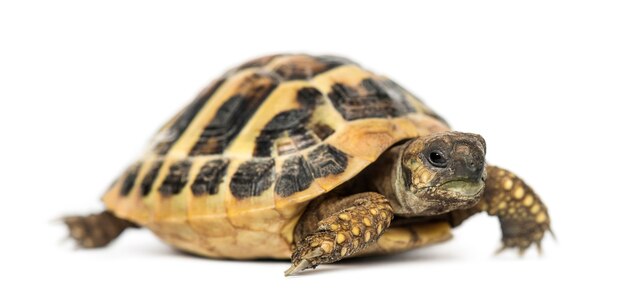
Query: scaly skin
x,y
523,217
96,230
343,232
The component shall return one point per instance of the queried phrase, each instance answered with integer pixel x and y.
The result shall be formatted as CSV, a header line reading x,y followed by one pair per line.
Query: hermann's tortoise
x,y
311,158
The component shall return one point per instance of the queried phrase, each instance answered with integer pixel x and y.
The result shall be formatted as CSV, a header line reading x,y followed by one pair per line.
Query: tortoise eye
x,y
437,159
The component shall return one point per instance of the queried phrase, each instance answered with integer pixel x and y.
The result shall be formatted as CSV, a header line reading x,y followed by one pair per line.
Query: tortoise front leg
x,y
523,217
332,229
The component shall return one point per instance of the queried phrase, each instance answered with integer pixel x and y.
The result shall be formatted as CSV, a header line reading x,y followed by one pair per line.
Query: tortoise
x,y
312,158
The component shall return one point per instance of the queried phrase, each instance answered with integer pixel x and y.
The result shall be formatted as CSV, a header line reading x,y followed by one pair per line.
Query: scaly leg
x,y
96,230
334,229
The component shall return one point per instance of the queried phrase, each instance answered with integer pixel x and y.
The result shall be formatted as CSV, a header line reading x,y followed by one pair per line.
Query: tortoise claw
x,y
523,243
297,268
305,263
521,248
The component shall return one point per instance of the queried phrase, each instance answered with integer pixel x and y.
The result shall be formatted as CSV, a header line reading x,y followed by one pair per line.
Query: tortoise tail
x,y
96,230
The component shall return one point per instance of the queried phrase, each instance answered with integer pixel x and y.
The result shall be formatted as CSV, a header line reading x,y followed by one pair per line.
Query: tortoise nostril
x,y
472,167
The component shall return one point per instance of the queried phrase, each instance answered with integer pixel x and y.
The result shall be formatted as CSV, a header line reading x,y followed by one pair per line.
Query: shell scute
x,y
252,178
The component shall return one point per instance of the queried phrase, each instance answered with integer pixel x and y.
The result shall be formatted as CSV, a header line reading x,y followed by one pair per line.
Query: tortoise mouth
x,y
451,195
463,188
455,190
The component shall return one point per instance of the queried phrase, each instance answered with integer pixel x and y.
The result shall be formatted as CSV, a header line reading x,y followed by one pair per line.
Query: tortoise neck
x,y
385,173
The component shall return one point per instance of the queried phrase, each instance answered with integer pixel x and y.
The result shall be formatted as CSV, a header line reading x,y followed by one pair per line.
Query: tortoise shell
x,y
230,174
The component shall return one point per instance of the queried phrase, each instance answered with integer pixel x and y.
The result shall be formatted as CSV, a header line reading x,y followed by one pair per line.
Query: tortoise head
x,y
440,173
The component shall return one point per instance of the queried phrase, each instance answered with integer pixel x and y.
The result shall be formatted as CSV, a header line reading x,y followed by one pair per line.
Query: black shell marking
x,y
209,178
326,160
294,177
370,99
129,179
293,124
322,130
309,97
252,178
289,123
150,177
233,115
176,179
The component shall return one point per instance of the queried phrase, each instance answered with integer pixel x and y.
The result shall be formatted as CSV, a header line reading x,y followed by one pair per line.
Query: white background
x,y
83,86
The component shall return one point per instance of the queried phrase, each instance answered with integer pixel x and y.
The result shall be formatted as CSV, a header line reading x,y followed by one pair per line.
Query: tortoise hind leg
x,y
96,230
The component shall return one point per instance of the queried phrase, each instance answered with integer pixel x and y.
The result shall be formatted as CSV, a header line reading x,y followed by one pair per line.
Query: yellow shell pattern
x,y
230,174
